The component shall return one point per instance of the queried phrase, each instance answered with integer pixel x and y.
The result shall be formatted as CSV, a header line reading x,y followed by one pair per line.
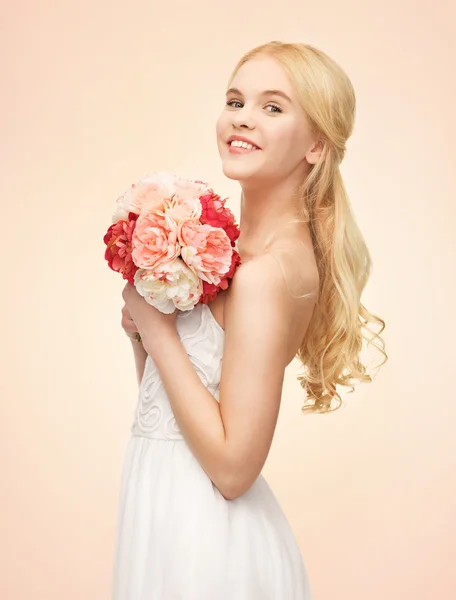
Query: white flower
x,y
169,286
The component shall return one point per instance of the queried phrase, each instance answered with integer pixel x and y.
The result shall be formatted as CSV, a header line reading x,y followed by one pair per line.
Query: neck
x,y
264,215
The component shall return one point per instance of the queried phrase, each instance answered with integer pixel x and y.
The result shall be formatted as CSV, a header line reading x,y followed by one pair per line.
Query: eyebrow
x,y
265,93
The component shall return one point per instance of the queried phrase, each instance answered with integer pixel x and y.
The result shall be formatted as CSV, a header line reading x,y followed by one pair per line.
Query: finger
x,y
128,324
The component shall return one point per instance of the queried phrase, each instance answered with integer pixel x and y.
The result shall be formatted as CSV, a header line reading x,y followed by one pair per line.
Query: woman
x,y
197,520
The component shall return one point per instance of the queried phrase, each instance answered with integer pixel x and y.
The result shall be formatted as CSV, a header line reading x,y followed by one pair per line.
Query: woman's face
x,y
262,107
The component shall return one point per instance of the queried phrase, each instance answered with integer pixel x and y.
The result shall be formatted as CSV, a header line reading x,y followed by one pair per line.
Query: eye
x,y
276,107
231,102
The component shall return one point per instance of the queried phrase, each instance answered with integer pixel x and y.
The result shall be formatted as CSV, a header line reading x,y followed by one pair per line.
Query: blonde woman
x,y
197,520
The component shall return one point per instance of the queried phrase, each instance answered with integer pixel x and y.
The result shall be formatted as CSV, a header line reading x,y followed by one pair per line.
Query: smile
x,y
238,147
238,144
245,145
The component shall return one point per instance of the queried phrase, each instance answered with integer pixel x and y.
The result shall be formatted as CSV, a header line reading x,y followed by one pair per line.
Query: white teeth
x,y
239,144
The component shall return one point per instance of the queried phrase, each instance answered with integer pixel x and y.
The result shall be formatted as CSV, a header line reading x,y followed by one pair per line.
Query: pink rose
x,y
215,213
207,250
154,240
210,290
118,253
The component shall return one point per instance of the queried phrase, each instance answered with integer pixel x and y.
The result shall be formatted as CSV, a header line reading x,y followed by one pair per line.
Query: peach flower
x,y
207,250
169,286
187,189
181,208
154,240
211,291
150,193
153,191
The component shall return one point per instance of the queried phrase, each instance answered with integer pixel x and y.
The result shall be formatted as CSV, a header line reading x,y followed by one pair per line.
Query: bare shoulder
x,y
272,296
274,269
257,275
283,278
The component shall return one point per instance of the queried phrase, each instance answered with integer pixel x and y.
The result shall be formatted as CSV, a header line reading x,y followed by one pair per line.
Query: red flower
x,y
119,249
210,291
216,214
232,231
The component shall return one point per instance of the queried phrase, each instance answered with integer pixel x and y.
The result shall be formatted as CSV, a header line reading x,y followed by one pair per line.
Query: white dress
x,y
177,538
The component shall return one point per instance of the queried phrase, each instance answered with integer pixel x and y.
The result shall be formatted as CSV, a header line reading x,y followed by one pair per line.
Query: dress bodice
x,y
202,338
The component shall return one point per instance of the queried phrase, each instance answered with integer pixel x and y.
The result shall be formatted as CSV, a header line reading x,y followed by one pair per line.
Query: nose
x,y
243,118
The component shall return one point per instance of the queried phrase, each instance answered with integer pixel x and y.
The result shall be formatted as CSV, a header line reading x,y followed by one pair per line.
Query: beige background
x,y
95,95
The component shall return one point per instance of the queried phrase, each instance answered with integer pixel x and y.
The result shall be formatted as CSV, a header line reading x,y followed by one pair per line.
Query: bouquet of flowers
x,y
174,240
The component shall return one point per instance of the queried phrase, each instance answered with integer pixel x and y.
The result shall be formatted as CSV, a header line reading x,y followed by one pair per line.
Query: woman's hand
x,y
128,325
149,322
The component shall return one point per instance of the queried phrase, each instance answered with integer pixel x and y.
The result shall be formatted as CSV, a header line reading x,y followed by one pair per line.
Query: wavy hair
x,y
330,351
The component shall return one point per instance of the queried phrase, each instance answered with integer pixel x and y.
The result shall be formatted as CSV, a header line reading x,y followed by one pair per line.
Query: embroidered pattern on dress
x,y
153,417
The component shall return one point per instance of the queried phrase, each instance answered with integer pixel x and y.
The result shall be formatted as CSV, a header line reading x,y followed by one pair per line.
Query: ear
x,y
315,152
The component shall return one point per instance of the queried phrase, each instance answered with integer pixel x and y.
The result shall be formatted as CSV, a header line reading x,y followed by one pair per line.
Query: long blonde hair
x,y
330,351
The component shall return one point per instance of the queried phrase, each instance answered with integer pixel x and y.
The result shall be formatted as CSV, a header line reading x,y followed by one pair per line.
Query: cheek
x,y
222,132
221,125
287,142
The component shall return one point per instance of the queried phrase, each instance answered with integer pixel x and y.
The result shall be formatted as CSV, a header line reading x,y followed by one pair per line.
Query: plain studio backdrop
x,y
97,94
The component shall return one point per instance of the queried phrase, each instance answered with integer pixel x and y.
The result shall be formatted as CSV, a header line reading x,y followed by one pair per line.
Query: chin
x,y
230,172
238,171
236,174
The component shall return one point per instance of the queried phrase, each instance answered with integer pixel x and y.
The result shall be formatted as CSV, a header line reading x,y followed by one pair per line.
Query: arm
x,y
231,439
131,332
140,356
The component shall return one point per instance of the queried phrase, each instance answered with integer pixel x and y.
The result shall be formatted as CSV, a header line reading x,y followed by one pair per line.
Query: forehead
x,y
262,73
